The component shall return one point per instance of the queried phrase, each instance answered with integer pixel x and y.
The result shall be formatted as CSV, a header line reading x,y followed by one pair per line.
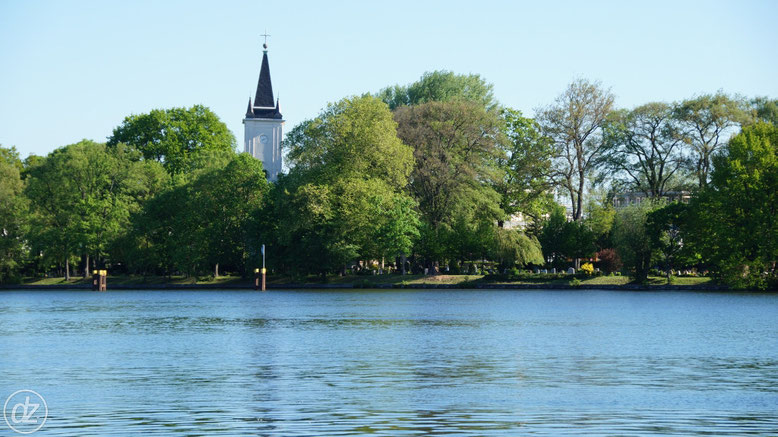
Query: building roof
x,y
264,107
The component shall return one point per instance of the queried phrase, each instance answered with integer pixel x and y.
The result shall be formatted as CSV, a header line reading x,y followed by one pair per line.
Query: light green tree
x,y
524,182
708,121
440,86
182,139
574,122
344,197
644,148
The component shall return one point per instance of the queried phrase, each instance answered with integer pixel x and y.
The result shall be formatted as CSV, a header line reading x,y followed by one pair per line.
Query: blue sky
x,y
74,69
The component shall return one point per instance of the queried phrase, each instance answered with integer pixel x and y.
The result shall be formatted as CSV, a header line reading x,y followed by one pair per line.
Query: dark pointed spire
x,y
264,97
249,111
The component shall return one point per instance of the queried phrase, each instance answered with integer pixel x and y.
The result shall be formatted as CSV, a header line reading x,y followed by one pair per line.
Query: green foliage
x,y
511,248
574,124
562,239
734,224
440,86
13,215
524,182
82,197
454,146
212,219
632,240
644,147
344,199
600,215
182,139
707,121
764,109
666,227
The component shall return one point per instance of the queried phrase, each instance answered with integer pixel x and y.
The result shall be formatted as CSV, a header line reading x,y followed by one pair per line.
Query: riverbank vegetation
x,y
435,179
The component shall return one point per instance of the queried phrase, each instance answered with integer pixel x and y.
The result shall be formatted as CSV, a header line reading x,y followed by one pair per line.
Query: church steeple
x,y
263,124
264,97
264,107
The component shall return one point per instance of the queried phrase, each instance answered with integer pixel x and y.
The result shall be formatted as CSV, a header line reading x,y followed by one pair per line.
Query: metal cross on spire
x,y
265,35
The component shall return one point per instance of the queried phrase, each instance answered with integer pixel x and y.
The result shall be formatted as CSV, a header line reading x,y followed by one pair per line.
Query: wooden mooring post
x,y
99,280
259,279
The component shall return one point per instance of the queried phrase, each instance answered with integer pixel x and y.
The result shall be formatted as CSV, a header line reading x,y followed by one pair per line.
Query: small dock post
x,y
99,280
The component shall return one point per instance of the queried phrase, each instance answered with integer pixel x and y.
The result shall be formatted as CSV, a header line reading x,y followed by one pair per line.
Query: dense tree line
x,y
432,176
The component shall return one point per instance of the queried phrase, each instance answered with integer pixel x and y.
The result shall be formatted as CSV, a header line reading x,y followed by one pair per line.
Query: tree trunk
x,y
402,258
216,271
86,266
67,268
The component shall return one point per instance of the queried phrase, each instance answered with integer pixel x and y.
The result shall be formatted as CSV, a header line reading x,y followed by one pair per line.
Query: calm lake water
x,y
397,362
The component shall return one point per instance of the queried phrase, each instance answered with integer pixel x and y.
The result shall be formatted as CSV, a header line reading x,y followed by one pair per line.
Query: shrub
x,y
587,268
575,282
609,260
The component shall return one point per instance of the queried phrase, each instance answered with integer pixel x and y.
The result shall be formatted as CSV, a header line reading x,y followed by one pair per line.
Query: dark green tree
x,y
13,216
633,241
561,239
734,220
82,197
666,227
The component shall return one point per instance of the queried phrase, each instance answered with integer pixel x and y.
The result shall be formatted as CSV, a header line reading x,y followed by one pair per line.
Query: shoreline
x,y
380,286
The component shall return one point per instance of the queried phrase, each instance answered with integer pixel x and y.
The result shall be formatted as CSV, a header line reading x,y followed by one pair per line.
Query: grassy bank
x,y
372,281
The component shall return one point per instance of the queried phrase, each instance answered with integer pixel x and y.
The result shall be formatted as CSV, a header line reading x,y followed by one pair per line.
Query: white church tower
x,y
264,124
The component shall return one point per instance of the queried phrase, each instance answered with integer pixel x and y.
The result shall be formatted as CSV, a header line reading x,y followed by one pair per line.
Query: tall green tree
x,y
344,198
455,148
13,215
524,182
574,122
440,86
735,218
708,121
644,146
180,138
